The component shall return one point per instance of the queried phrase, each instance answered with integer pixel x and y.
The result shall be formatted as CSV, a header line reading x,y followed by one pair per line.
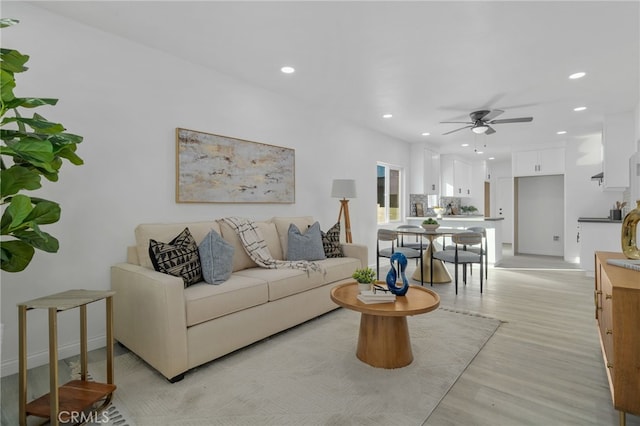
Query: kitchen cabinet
x,y
538,163
456,177
617,312
431,172
618,144
596,236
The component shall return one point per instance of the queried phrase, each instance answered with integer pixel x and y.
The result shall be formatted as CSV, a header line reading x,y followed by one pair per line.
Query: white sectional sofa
x,y
175,329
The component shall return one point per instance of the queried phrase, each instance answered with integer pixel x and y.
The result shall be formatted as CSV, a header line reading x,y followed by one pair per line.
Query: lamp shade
x,y
343,188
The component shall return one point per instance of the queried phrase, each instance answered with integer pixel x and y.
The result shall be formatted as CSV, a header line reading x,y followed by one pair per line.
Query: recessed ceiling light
x,y
479,152
577,75
492,158
288,70
561,132
426,134
387,116
465,144
580,108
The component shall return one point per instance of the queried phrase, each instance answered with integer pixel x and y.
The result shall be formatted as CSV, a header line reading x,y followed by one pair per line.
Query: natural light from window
x,y
389,193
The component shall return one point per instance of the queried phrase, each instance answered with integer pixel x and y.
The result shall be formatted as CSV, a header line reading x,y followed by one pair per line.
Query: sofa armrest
x,y
150,316
358,251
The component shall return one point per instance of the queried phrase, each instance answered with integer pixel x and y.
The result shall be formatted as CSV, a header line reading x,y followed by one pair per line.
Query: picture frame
x,y
419,210
212,168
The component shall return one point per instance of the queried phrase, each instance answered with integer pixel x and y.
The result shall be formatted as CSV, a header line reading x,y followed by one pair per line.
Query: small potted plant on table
x,y
365,278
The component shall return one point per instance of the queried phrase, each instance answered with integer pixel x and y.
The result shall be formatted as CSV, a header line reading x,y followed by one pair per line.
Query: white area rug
x,y
308,375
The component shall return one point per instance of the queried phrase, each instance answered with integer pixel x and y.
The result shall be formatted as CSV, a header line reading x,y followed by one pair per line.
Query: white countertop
x,y
460,217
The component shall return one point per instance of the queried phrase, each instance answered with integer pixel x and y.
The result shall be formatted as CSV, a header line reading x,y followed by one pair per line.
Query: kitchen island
x,y
493,225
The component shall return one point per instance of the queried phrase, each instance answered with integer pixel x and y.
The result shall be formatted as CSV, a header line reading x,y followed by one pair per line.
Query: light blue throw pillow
x,y
216,258
307,246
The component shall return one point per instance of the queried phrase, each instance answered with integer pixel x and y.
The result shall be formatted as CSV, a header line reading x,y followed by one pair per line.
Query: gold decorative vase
x,y
629,237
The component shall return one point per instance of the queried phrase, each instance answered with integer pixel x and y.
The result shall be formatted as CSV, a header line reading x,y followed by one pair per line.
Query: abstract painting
x,y
219,169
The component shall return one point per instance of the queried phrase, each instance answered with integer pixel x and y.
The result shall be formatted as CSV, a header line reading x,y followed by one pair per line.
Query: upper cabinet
x,y
618,145
538,163
456,177
431,172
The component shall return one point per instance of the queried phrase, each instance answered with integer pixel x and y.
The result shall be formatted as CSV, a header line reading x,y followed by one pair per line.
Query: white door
x,y
504,207
541,215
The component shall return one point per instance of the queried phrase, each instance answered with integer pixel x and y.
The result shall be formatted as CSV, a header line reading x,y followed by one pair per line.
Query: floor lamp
x,y
345,189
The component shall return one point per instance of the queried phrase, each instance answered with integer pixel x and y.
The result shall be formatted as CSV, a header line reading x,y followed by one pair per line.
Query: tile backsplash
x,y
430,201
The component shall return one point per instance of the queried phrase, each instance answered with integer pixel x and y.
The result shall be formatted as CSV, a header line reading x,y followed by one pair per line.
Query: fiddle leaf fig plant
x,y
32,147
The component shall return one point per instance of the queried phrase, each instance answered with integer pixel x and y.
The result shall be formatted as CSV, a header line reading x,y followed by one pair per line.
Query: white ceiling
x,y
422,61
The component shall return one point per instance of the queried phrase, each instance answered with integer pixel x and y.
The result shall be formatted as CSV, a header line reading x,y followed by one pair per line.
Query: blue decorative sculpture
x,y
392,275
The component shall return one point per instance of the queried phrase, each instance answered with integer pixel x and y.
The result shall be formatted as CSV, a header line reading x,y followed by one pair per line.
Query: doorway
x,y
539,203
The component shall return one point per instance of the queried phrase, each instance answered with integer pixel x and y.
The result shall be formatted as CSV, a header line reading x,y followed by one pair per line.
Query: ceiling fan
x,y
480,121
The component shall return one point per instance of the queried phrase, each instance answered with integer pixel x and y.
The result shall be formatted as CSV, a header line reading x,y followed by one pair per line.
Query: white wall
x,y
583,197
540,215
126,100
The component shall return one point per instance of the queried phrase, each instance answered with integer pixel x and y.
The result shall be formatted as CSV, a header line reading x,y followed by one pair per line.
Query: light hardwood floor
x,y
542,367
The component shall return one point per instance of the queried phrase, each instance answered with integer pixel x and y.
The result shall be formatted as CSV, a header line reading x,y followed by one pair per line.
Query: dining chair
x,y
415,244
388,235
483,231
460,256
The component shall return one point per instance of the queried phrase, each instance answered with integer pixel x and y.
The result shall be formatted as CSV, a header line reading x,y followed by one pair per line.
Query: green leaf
x,y
38,239
13,61
17,178
7,84
18,210
30,102
7,22
44,212
16,255
38,123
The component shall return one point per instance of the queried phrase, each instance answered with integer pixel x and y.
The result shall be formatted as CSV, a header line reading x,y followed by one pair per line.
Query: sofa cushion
x,y
284,282
165,232
331,242
216,258
305,244
205,302
241,259
339,268
179,258
282,226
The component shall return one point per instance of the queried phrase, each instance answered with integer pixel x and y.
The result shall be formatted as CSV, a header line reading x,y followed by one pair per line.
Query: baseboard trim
x,y
42,357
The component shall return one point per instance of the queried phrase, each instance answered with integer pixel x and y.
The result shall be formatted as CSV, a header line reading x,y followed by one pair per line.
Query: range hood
x,y
599,177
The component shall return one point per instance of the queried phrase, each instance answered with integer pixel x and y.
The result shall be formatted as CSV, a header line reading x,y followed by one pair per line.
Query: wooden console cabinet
x,y
617,303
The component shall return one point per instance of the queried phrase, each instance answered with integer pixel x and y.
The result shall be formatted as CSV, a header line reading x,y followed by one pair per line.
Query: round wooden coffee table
x,y
384,334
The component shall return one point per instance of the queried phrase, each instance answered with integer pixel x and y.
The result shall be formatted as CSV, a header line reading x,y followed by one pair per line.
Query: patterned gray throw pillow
x,y
307,246
179,257
331,242
216,257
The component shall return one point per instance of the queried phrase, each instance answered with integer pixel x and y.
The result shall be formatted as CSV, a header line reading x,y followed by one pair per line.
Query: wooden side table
x,y
76,396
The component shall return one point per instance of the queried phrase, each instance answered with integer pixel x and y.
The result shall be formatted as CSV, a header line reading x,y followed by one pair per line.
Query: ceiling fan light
x,y
480,129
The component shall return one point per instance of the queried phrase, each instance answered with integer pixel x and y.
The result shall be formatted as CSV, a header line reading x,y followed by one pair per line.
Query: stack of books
x,y
370,297
634,265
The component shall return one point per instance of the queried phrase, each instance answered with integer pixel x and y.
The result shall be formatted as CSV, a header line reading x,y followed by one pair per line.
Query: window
x,y
389,193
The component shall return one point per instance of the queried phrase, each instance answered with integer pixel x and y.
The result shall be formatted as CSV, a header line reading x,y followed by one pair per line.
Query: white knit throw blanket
x,y
256,247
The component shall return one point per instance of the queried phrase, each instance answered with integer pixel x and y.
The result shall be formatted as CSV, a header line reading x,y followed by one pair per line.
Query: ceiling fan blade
x,y
452,131
489,131
492,114
457,122
512,120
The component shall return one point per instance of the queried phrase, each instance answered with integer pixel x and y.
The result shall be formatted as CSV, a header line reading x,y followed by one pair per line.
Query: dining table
x,y
440,273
